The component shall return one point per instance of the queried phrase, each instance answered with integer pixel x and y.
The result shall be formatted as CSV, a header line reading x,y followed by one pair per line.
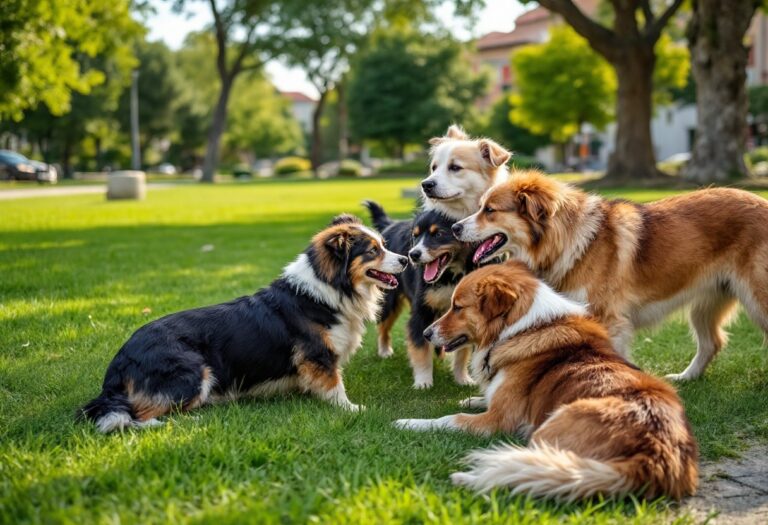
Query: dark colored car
x,y
15,166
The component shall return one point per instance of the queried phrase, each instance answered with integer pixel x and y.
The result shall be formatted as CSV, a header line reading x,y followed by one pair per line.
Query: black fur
x,y
399,238
243,342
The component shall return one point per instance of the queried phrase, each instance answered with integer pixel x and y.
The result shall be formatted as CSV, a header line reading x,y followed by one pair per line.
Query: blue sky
x,y
497,15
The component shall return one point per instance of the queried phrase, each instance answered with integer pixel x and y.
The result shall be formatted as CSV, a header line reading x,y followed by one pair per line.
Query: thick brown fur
x,y
635,263
597,424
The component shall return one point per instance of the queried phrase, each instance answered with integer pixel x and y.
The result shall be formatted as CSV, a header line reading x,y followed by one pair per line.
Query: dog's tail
x,y
545,471
110,411
379,217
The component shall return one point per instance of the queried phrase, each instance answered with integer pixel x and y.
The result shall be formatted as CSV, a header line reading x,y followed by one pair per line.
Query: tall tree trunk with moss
x,y
718,61
211,161
629,47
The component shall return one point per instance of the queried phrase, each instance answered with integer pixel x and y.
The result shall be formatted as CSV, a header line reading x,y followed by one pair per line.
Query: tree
x,y
50,50
407,86
320,37
719,59
629,47
244,35
561,85
262,123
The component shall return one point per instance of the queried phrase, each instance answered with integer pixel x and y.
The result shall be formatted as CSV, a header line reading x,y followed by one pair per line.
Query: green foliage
x,y
671,74
417,166
260,121
407,86
77,276
497,123
350,168
562,84
289,165
56,48
525,162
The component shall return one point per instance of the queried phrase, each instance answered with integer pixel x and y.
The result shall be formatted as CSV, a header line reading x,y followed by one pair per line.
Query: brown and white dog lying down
x,y
634,264
461,170
597,424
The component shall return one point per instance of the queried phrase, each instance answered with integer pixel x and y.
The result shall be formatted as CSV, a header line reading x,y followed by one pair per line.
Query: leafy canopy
x,y
562,84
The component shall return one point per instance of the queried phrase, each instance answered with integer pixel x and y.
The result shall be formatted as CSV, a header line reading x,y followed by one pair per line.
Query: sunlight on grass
x,y
78,274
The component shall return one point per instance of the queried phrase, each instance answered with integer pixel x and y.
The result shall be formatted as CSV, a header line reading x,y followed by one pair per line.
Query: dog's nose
x,y
415,255
428,186
403,260
457,229
428,333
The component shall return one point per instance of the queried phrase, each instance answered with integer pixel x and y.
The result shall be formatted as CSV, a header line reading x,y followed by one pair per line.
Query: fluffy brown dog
x,y
634,264
597,424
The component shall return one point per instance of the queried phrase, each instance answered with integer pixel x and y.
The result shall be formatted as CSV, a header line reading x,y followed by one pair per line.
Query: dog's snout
x,y
403,260
457,229
428,333
415,255
428,186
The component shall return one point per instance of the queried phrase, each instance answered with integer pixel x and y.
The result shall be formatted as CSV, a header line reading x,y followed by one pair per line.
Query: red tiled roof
x,y
298,96
534,15
521,35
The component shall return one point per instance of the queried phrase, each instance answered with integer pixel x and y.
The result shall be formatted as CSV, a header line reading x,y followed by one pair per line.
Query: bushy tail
x,y
542,471
379,217
109,411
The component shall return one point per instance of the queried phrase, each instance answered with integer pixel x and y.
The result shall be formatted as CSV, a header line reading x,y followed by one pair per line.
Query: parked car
x,y
165,169
15,166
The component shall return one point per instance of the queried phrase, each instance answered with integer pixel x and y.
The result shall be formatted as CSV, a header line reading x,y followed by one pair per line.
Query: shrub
x,y
350,168
288,165
757,155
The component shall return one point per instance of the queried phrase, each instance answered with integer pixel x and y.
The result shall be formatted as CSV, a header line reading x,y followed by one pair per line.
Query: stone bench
x,y
126,185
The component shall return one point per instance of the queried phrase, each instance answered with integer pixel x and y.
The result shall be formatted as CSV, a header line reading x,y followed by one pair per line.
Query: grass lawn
x,y
78,275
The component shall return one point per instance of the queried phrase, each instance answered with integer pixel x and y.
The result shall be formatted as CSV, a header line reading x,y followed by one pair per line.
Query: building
x,y
672,127
302,106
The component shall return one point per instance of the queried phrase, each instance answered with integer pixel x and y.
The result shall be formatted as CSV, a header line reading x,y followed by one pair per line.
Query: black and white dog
x,y
439,262
294,335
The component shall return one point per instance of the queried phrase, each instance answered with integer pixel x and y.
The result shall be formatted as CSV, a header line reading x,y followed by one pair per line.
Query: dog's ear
x,y
345,218
496,296
537,205
454,132
338,244
493,154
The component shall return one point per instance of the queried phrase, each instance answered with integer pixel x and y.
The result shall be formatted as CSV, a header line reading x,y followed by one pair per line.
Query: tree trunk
x,y
633,157
66,157
211,161
317,143
343,122
719,61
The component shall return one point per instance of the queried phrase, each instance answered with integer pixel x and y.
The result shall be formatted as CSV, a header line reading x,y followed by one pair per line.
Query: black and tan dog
x,y
438,263
294,335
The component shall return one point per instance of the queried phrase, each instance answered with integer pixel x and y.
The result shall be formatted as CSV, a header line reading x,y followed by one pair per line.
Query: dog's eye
x,y
488,209
373,251
454,167
434,167
457,308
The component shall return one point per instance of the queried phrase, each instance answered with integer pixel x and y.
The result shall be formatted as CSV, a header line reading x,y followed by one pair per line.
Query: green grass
x,y
76,274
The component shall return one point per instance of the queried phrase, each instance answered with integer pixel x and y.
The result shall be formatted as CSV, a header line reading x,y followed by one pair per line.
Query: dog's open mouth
x,y
387,279
434,270
443,198
488,247
456,343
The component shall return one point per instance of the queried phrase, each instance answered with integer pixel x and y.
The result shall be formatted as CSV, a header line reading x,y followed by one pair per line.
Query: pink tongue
x,y
431,269
483,248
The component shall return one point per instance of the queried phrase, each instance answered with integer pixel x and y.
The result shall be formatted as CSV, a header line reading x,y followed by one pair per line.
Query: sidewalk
x,y
67,190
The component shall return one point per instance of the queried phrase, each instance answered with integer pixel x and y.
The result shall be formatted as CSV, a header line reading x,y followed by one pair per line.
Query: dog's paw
x,y
413,424
354,408
473,402
422,381
149,423
677,378
462,479
385,352
464,379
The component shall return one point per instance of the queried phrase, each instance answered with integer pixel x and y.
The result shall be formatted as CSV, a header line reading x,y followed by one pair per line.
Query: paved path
x,y
733,491
60,191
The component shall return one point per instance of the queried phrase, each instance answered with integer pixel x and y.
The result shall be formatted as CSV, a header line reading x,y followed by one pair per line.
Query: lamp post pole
x,y
135,151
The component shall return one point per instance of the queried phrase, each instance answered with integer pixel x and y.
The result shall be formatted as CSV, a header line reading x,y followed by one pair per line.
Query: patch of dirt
x,y
733,491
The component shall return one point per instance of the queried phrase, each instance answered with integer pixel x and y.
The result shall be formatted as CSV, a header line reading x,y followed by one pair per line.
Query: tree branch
x,y
654,31
221,39
650,18
602,39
